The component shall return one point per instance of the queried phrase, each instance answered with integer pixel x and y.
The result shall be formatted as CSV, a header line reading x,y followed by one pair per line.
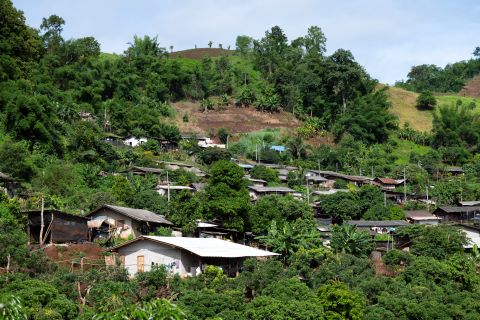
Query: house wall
x,y
177,261
131,229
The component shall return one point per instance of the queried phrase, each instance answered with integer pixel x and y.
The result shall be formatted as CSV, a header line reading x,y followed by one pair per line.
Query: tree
x,y
439,241
339,302
210,43
368,119
265,173
426,101
282,210
290,237
52,28
243,44
347,239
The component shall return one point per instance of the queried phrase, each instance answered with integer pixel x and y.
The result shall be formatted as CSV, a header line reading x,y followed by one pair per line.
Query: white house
x,y
184,256
134,141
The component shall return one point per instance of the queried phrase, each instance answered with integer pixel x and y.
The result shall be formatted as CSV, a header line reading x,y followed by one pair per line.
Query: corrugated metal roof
x,y
420,215
136,214
5,176
389,181
378,223
271,189
455,209
207,247
145,169
469,203
164,187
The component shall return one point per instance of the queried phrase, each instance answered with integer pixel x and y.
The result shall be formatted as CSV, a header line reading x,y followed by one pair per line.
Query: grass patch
x,y
403,105
405,148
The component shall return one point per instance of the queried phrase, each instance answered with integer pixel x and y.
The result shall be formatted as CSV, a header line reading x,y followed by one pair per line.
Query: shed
x,y
185,256
457,214
59,227
421,217
259,191
164,190
388,183
113,221
145,170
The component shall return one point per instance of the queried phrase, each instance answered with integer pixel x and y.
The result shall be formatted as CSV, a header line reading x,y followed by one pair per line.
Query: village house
x,y
185,256
388,183
181,165
318,181
457,214
259,191
134,141
378,226
256,182
168,190
58,227
332,175
142,171
421,217
109,221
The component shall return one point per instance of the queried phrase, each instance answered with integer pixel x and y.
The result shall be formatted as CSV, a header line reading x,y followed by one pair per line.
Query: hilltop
x,y
199,53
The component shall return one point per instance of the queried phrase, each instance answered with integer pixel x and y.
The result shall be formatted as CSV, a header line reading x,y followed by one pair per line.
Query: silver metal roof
x,y
206,247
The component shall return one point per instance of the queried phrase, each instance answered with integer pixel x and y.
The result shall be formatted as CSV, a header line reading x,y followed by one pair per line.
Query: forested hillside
x,y
273,144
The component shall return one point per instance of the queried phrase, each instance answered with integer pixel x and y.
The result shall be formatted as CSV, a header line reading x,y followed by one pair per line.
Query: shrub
x,y
426,101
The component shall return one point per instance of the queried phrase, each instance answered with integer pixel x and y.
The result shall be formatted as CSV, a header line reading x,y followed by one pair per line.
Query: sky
x,y
387,37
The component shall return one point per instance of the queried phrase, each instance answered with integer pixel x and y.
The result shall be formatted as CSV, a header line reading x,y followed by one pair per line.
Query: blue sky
x,y
387,37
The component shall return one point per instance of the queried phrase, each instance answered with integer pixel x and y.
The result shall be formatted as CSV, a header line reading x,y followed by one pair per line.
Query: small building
x,y
258,191
181,165
109,221
58,227
378,226
318,181
388,183
256,182
142,171
134,141
329,192
185,256
167,145
246,167
469,203
165,190
457,214
421,217
197,186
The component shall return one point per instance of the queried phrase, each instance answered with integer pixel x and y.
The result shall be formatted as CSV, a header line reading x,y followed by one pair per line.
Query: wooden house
x,y
109,221
58,227
421,217
388,183
457,214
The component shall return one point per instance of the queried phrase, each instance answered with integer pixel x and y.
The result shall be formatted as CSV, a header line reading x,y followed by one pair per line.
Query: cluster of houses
x,y
186,256
165,144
